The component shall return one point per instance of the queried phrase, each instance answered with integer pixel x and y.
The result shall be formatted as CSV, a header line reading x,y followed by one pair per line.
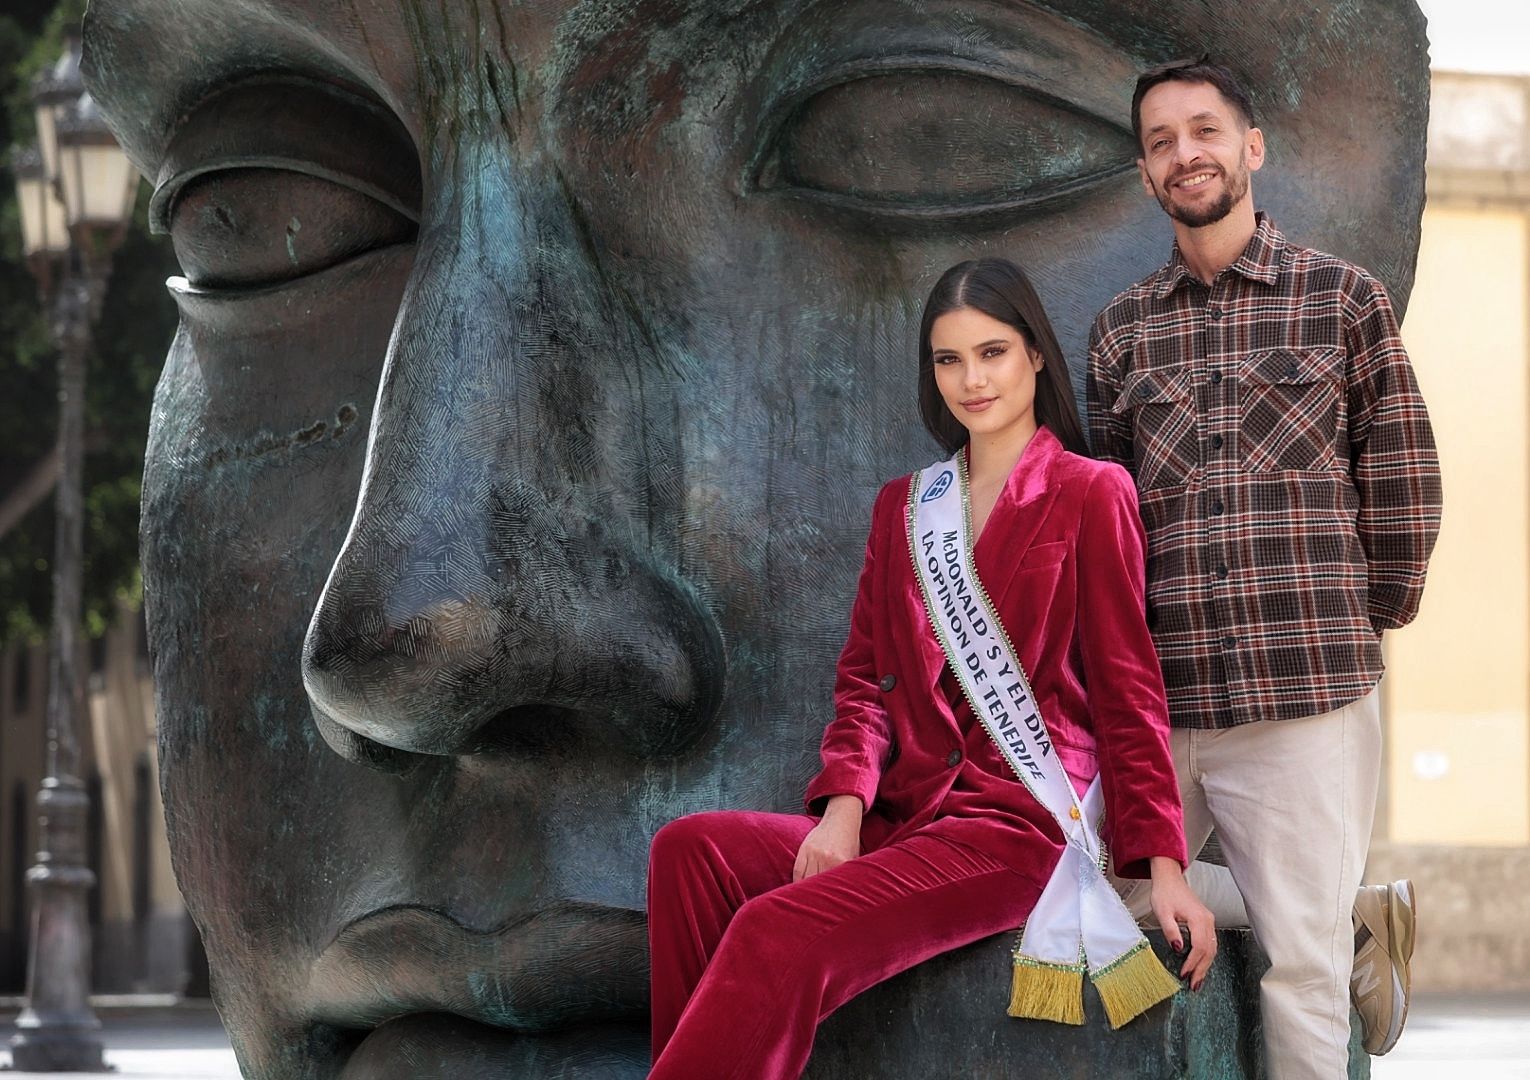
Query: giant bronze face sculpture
x,y
510,470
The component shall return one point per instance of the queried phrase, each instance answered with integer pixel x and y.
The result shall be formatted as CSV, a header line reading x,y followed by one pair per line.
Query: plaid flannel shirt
x,y
1287,475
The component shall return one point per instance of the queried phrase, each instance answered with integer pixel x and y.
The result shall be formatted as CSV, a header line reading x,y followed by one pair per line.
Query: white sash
x,y
1080,922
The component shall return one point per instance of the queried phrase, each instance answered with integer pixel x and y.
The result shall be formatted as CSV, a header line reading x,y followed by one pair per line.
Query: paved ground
x,y
1462,1038
181,1043
1448,1038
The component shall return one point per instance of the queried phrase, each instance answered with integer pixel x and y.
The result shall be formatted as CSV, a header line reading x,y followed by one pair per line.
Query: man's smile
x,y
1195,180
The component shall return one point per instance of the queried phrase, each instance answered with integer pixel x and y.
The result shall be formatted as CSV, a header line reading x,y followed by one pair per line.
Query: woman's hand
x,y
1175,904
835,839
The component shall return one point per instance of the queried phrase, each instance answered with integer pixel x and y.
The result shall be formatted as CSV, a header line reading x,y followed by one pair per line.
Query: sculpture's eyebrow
x,y
1074,57
150,63
1024,42
363,147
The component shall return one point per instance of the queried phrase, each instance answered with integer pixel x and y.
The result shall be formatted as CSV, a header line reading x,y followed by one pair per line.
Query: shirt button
x,y
1217,507
1222,573
1229,642
954,758
888,682
1215,313
1216,442
1216,377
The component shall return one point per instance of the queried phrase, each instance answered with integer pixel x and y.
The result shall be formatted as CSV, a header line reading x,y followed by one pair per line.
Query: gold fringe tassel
x,y
1132,985
1042,991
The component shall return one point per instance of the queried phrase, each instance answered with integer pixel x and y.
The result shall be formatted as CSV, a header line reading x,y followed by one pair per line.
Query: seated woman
x,y
998,690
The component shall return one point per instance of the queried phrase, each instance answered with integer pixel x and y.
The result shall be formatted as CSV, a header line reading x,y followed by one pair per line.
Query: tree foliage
x,y
136,324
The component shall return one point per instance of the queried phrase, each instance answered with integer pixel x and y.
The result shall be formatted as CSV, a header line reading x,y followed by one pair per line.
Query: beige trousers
x,y
1292,801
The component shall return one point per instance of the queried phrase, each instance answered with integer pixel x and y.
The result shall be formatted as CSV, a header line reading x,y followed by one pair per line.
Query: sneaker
x,y
1385,923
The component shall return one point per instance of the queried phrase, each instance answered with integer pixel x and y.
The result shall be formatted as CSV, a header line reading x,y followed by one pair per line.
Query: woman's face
x,y
986,372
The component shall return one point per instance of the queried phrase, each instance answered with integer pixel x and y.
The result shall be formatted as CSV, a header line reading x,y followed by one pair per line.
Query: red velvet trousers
x,y
746,963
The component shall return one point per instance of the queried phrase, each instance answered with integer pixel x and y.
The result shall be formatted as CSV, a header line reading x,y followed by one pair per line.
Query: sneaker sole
x,y
1402,927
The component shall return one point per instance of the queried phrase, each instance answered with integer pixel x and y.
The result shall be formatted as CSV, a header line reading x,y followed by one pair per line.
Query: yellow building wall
x,y
1457,692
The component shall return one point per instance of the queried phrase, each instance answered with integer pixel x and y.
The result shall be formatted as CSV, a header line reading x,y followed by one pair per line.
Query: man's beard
x,y
1196,217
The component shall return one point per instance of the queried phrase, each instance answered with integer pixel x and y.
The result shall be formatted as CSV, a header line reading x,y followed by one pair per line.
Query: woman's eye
x,y
248,227
938,143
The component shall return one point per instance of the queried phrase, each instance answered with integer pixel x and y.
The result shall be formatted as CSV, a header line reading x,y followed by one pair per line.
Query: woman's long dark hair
x,y
999,289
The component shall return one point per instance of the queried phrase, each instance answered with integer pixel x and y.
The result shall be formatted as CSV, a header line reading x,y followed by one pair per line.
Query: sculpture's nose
x,y
496,588
448,639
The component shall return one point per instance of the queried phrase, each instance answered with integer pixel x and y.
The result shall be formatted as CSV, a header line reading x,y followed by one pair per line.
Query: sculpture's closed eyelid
x,y
1014,41
297,125
987,93
277,178
934,140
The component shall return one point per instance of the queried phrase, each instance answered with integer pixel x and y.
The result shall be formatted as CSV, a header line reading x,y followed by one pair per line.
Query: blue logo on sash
x,y
939,487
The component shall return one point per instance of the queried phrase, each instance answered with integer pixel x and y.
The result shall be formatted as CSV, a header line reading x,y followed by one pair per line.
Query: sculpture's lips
x,y
565,965
435,1047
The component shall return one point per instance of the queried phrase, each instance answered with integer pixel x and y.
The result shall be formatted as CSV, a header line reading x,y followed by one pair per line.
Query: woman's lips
x,y
978,404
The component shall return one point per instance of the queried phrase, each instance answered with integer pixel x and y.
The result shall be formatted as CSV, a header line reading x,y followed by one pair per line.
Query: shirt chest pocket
x,y
1157,404
1289,409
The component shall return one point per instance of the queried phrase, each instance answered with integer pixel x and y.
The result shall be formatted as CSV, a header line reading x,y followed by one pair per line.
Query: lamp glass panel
x,y
107,173
55,222
42,218
71,174
47,137
28,199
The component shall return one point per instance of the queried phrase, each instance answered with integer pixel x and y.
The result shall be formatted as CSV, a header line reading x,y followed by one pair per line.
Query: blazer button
x,y
954,758
888,682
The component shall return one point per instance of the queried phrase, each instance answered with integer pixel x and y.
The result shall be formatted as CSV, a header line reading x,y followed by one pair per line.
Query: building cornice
x,y
1479,140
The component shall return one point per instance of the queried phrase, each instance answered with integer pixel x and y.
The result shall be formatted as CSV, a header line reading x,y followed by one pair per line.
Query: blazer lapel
x,y
1018,516
921,651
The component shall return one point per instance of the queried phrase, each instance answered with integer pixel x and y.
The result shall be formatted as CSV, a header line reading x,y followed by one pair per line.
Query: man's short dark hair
x,y
1199,70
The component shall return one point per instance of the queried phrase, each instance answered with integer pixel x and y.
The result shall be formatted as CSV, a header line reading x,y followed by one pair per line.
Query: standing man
x,y
1260,395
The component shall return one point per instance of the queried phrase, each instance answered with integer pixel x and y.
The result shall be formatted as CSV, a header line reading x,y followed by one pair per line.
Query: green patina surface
x,y
1212,1034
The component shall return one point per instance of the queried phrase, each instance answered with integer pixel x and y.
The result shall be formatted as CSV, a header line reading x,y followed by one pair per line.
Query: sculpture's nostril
x,y
638,672
360,750
416,678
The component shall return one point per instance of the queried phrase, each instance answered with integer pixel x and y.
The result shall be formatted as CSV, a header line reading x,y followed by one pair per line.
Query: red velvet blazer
x,y
1062,559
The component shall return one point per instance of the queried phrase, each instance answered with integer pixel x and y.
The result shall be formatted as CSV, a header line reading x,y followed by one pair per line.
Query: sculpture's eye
x,y
278,178
937,143
240,228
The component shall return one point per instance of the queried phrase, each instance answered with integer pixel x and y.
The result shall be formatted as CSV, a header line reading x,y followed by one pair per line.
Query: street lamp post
x,y
76,194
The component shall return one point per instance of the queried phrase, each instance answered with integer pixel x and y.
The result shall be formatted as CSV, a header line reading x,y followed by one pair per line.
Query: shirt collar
x,y
1260,260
